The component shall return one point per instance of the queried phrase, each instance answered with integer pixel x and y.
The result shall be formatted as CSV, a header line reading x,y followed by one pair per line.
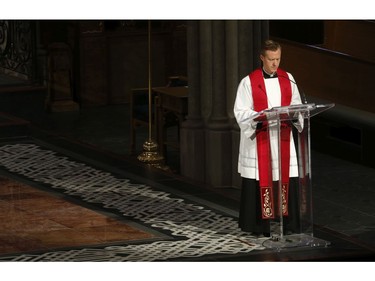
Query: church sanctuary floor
x,y
70,189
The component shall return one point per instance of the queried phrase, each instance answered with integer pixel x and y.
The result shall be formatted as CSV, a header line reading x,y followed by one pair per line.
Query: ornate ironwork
x,y
17,48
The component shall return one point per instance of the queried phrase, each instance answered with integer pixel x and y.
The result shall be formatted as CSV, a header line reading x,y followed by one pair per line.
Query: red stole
x,y
263,143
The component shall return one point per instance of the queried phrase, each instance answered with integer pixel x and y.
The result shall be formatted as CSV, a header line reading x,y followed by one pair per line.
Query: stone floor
x,y
343,191
344,209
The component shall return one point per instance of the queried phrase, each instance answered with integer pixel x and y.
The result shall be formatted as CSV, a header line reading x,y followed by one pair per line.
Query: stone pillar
x,y
220,54
232,67
60,79
245,58
218,132
192,130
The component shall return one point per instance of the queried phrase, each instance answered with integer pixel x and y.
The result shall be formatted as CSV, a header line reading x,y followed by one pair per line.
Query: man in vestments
x,y
265,88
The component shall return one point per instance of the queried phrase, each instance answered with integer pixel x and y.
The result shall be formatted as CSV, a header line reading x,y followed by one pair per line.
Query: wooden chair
x,y
139,109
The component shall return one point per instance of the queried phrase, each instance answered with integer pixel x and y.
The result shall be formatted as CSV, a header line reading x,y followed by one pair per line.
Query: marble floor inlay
x,y
34,220
197,229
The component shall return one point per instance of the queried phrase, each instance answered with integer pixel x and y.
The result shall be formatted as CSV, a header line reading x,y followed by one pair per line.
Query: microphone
x,y
301,92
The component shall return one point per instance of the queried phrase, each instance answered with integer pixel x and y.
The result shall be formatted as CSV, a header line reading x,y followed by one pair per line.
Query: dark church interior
x,y
118,140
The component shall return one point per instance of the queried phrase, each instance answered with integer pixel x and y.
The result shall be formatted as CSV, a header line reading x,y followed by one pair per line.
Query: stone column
x,y
192,130
220,54
232,66
218,132
245,58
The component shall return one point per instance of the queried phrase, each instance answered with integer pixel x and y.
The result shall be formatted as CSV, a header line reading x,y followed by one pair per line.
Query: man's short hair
x,y
270,45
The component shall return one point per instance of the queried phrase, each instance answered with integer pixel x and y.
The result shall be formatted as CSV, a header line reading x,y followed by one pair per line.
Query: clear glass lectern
x,y
298,118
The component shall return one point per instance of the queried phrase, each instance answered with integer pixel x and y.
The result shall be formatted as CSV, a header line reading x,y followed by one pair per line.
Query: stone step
x,y
13,127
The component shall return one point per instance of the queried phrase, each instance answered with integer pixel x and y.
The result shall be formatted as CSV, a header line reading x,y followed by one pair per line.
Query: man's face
x,y
271,61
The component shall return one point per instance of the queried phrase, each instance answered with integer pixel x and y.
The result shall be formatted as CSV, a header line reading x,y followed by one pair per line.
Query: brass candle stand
x,y
150,154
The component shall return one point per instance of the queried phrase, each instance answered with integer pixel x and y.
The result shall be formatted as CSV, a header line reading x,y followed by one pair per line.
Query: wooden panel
x,y
353,37
113,63
330,76
128,64
94,83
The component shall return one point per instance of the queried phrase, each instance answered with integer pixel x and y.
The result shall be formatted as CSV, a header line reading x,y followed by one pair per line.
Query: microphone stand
x,y
304,100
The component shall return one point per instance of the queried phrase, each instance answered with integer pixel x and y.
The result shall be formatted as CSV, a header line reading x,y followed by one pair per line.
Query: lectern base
x,y
294,241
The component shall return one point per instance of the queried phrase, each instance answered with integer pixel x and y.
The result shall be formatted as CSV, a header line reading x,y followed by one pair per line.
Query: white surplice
x,y
244,113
